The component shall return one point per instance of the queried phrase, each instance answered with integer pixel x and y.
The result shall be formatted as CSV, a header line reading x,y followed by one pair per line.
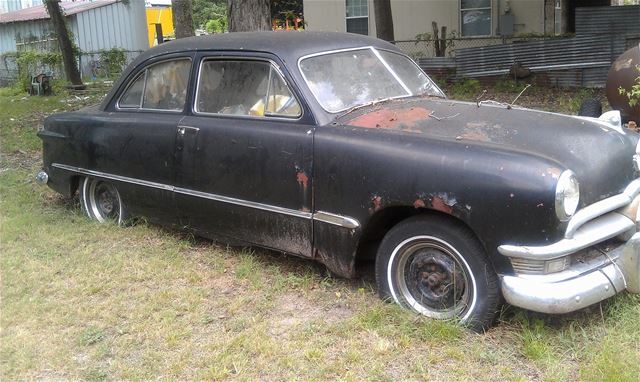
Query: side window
x,y
161,86
280,101
244,88
133,96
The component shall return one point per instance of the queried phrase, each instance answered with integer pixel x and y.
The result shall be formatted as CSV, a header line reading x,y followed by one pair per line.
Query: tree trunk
x,y
384,19
443,41
249,15
439,43
64,42
182,18
436,39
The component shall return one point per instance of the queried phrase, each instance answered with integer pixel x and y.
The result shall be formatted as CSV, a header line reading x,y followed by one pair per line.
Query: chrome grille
x,y
529,267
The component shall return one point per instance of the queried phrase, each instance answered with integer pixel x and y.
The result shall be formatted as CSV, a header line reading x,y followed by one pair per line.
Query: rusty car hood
x,y
600,155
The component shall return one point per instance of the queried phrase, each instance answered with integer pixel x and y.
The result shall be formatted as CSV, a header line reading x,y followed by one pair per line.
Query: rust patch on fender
x,y
439,204
392,118
476,131
302,178
419,203
376,204
443,202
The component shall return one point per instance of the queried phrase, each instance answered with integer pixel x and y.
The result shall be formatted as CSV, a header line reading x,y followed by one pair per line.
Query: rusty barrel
x,y
623,73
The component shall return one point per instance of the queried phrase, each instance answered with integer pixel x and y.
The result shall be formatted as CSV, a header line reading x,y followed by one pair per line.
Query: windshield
x,y
342,80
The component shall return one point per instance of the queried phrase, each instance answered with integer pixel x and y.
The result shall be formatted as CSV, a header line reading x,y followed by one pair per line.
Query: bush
x,y
469,87
32,63
113,60
634,93
508,86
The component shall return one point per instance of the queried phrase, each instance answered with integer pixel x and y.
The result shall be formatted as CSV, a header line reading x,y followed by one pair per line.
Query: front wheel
x,y
101,201
437,268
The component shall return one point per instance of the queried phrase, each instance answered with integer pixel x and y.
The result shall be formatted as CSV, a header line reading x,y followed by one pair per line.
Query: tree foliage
x,y
206,10
288,9
633,94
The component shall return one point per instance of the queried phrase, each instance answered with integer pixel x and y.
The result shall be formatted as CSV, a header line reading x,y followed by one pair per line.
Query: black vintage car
x,y
337,147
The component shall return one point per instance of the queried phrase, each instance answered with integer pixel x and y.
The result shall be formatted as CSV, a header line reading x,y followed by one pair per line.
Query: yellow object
x,y
276,105
162,16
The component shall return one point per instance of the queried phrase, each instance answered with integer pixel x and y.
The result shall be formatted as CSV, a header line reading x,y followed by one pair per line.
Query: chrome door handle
x,y
183,129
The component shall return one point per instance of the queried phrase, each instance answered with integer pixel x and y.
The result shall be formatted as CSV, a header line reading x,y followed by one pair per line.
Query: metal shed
x,y
96,25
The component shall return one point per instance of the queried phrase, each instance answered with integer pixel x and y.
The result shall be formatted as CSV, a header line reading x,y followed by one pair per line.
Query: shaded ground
x,y
80,300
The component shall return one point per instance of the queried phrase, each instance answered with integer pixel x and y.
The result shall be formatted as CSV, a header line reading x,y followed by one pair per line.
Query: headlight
x,y
567,195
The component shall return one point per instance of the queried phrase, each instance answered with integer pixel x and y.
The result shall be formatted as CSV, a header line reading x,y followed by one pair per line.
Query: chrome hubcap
x,y
431,278
104,201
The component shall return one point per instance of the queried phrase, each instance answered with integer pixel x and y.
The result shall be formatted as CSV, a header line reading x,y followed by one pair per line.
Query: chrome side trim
x,y
118,178
596,231
185,191
602,207
327,217
243,203
339,220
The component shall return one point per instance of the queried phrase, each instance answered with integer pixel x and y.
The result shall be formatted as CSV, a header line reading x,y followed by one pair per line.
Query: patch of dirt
x,y
20,159
292,310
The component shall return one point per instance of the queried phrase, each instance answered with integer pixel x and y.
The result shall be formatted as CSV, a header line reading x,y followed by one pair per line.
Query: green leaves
x,y
634,93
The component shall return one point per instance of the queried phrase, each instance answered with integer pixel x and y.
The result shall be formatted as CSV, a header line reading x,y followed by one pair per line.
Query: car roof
x,y
288,45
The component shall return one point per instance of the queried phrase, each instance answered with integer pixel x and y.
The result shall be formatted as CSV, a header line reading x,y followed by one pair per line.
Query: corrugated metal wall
x,y
11,32
546,55
612,20
112,26
115,25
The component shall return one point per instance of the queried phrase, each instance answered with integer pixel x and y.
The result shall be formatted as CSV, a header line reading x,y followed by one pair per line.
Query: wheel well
x,y
382,221
74,184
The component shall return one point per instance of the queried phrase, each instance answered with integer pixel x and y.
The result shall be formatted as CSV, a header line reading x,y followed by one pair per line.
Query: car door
x,y
245,167
137,142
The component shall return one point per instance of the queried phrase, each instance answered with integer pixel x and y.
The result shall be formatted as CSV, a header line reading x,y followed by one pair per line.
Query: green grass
x,y
85,301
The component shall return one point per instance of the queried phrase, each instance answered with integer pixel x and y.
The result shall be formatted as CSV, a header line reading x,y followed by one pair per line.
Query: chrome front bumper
x,y
570,290
582,285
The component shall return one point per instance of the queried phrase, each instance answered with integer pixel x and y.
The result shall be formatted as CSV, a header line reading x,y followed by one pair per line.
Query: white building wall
x,y
412,17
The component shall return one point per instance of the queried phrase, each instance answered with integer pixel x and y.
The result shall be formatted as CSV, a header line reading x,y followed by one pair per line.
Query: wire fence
x,y
92,67
421,49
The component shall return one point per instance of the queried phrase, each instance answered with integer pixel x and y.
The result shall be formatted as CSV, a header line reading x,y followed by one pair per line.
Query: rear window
x,y
162,86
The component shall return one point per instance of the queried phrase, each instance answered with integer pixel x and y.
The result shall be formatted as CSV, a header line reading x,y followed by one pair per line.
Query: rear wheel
x,y
437,268
101,201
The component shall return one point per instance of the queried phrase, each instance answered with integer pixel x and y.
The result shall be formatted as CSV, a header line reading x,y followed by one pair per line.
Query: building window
x,y
358,16
557,25
475,17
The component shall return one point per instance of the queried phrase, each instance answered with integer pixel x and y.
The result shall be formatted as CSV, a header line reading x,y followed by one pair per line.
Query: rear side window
x,y
133,96
162,86
249,88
